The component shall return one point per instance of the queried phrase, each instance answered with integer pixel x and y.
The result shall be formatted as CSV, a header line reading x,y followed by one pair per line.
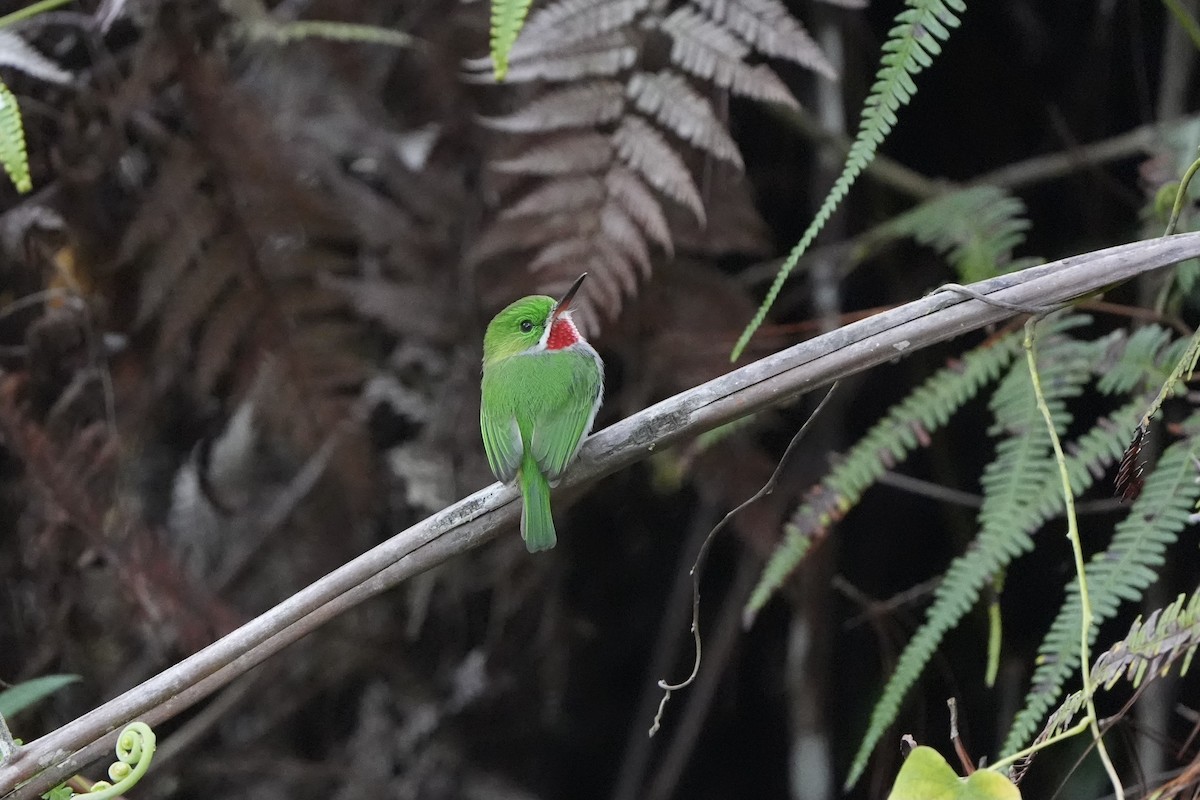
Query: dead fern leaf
x,y
190,232
566,251
575,193
202,287
614,265
404,308
619,230
734,224
229,246
640,203
706,50
612,250
608,268
617,252
672,101
604,296
522,233
602,56
585,106
768,27
606,164
566,154
171,196
222,334
607,233
570,21
645,151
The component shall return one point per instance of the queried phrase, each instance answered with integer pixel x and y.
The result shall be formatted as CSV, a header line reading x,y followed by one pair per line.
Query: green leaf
x,y
281,33
1148,651
1019,493
24,695
508,17
12,141
912,43
926,776
887,444
1119,573
975,229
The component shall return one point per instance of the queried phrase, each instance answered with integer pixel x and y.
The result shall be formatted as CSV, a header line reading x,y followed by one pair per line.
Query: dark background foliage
x,y
263,359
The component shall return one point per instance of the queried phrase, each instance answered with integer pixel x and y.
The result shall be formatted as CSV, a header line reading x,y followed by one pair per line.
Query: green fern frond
x,y
1140,361
1015,485
1121,572
267,29
1024,504
887,443
1151,647
1087,459
975,229
911,47
508,17
993,550
12,141
1185,365
31,10
1163,637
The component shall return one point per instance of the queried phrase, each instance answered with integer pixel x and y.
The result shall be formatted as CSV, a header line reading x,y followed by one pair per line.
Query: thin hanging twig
x,y
698,565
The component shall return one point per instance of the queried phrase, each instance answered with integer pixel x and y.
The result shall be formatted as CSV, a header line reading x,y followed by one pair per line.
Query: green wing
x,y
562,425
501,442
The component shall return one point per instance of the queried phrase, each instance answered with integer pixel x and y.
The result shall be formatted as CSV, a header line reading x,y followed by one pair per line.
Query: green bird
x,y
542,386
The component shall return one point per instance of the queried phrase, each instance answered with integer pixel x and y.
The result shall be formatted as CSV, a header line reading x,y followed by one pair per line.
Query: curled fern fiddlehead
x,y
135,749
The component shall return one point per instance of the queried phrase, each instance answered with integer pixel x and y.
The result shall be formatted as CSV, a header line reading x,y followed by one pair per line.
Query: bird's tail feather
x,y
537,522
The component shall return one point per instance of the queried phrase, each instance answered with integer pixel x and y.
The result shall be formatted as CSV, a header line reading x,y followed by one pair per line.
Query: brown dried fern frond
x,y
233,264
574,193
673,103
581,224
632,194
767,26
702,47
733,225
601,56
645,150
564,154
614,137
575,20
592,104
78,508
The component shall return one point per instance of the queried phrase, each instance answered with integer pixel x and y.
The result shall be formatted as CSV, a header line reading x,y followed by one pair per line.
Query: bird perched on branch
x,y
542,386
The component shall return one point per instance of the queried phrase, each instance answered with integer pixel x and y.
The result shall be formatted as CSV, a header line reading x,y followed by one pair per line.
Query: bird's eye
x,y
526,326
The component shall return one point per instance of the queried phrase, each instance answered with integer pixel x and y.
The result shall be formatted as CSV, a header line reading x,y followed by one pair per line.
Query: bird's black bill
x,y
565,303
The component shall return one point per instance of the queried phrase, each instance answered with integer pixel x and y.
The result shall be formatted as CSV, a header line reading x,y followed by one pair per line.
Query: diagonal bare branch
x,y
773,380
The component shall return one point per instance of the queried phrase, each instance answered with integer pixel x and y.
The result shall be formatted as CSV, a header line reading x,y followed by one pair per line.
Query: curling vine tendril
x,y
135,749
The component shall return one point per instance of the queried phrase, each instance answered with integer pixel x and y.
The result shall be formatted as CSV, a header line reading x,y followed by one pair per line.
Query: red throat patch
x,y
562,334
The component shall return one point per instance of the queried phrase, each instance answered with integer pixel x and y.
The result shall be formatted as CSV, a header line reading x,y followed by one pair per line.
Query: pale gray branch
x,y
776,379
